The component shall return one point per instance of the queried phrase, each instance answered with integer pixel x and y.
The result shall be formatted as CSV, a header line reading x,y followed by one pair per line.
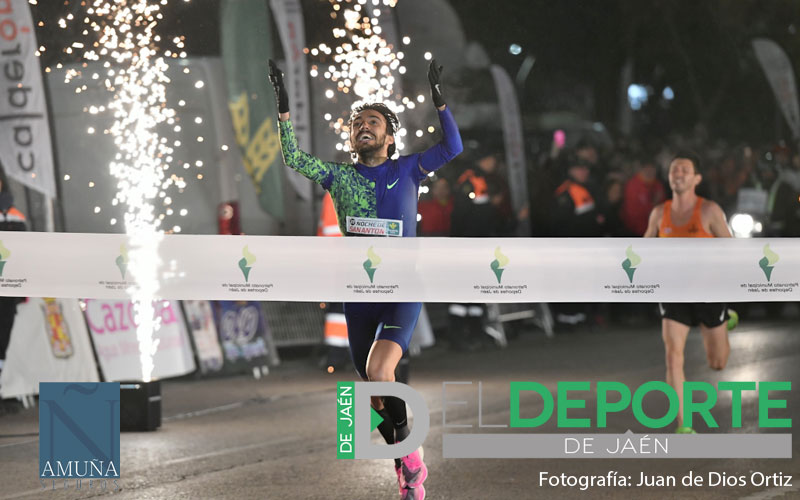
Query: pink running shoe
x,y
417,493
401,481
414,470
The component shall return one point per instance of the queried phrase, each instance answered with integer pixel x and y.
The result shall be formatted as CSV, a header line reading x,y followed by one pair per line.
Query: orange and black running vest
x,y
692,229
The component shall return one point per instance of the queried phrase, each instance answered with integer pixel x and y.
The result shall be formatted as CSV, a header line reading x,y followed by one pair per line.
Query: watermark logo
x,y
372,263
570,406
122,260
5,253
630,263
499,263
246,263
79,432
355,419
767,263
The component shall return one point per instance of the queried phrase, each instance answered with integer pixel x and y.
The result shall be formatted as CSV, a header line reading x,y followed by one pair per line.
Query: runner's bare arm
x,y
717,222
654,221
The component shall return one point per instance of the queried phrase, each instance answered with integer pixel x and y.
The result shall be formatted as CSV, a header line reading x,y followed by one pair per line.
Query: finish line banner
x,y
305,269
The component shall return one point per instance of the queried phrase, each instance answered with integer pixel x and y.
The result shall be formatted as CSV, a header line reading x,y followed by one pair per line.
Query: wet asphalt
x,y
274,438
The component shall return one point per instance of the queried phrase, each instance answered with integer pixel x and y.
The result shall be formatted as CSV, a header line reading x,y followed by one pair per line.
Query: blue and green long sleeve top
x,y
387,191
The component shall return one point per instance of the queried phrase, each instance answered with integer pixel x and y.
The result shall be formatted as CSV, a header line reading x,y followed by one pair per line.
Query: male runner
x,y
377,188
689,216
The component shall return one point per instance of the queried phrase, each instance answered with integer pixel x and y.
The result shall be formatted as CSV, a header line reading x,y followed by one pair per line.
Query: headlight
x,y
742,225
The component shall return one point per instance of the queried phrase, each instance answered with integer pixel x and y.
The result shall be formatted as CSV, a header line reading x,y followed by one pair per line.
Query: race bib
x,y
364,226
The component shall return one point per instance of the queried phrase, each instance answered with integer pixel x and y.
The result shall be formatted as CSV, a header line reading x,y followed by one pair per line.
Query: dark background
x,y
700,48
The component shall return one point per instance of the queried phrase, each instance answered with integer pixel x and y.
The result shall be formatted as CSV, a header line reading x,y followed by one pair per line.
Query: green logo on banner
x,y
499,263
629,264
246,262
346,419
5,253
768,262
371,264
122,260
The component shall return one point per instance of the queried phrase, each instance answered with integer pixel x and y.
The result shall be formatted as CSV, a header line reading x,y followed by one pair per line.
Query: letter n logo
x,y
78,430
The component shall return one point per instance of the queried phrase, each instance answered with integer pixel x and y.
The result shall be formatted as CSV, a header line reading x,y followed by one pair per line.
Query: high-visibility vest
x,y
480,188
12,220
581,198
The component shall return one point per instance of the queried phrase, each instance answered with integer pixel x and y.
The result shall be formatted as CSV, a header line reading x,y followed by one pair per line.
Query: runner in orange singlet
x,y
689,216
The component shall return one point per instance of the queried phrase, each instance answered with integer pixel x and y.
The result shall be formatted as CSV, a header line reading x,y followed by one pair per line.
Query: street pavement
x,y
275,438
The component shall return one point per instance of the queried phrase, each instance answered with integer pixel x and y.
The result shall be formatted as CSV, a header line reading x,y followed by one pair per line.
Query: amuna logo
x,y
5,253
629,264
246,263
371,264
122,260
768,262
79,431
499,263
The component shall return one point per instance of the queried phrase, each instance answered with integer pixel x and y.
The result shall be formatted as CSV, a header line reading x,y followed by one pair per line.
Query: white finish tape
x,y
410,269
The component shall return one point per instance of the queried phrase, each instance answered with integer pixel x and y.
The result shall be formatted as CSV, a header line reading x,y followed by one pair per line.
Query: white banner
x,y
514,143
370,269
289,20
25,148
113,331
49,343
780,75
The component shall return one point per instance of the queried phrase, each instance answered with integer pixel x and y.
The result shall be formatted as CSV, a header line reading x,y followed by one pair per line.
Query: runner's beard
x,y
370,148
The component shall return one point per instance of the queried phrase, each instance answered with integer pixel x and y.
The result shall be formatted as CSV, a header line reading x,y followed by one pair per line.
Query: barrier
x,y
306,269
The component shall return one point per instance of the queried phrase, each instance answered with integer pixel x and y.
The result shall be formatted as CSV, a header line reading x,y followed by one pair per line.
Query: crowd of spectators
x,y
590,191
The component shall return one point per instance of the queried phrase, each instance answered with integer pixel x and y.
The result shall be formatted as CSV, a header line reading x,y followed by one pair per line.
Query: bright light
x,y
668,93
515,49
637,96
743,225
135,82
363,63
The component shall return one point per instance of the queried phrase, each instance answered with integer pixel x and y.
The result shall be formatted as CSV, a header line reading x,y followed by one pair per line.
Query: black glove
x,y
276,78
434,74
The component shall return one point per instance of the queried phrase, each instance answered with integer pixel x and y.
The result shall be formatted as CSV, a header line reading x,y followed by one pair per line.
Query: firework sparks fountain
x,y
127,48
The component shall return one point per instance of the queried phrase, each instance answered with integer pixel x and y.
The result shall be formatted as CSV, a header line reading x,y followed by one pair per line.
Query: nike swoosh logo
x,y
390,186
386,327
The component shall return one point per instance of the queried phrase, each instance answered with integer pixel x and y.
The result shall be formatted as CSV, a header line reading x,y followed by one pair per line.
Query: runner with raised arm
x,y
377,191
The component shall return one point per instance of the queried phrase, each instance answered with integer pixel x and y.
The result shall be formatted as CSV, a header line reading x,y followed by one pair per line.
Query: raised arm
x,y
450,146
281,96
308,165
